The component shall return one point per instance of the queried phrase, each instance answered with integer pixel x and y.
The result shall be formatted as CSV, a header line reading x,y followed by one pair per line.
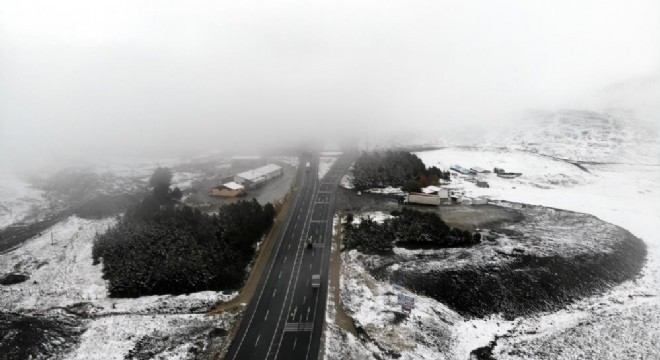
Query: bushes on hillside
x,y
408,228
163,247
394,168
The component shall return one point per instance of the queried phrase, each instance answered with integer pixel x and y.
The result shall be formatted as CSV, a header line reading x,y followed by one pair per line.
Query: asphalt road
x,y
285,318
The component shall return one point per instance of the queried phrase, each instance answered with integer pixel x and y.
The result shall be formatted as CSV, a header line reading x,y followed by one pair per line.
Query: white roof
x,y
259,172
430,189
233,186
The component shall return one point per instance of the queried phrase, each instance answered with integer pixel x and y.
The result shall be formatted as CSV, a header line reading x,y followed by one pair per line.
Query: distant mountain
x,y
620,123
640,96
584,135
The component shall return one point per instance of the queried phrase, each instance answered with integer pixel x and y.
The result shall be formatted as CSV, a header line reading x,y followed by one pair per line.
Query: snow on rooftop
x,y
259,172
233,186
430,189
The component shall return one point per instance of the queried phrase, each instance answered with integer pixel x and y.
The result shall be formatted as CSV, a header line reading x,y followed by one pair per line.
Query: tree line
x,y
161,246
407,228
394,168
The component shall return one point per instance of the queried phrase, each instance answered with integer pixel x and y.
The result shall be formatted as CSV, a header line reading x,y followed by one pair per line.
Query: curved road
x,y
285,318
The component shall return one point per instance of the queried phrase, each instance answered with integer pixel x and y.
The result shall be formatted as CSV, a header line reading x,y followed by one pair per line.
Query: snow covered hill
x,y
584,135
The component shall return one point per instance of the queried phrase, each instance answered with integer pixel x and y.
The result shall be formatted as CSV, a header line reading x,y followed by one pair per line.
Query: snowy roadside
x,y
61,276
325,163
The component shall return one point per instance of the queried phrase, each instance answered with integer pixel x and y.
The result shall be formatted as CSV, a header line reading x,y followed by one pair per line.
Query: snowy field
x,y
622,323
18,200
624,195
62,277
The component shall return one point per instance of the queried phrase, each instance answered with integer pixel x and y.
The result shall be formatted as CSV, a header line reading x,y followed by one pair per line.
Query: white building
x,y
255,177
456,193
441,192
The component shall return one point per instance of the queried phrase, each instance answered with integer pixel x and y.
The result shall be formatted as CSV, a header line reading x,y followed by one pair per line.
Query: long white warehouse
x,y
255,177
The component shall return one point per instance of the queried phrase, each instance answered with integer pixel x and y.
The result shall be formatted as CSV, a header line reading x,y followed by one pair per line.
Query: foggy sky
x,y
83,78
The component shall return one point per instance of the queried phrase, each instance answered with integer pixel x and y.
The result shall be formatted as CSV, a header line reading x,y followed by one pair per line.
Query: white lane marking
x,y
288,247
285,259
295,340
304,298
280,276
307,317
295,274
270,268
256,342
266,317
274,291
310,267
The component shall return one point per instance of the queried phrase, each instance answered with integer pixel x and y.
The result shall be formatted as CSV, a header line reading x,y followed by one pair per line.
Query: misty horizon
x,y
81,80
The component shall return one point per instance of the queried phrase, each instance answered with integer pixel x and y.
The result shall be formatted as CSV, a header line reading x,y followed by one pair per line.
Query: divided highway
x,y
285,318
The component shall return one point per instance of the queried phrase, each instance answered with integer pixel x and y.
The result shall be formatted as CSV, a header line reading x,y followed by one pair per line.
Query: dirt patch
x,y
348,200
13,278
472,217
341,318
466,217
37,336
546,260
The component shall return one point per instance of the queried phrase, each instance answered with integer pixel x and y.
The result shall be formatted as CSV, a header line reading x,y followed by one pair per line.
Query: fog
x,y
81,79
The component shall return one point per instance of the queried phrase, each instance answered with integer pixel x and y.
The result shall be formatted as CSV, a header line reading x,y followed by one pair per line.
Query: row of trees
x,y
163,247
408,228
394,168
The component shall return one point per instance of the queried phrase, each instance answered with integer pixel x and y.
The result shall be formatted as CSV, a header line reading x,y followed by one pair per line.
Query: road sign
x,y
407,306
402,298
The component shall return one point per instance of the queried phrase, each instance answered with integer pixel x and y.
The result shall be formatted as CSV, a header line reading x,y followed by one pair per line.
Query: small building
x,y
424,199
479,170
462,170
456,193
508,175
441,192
482,184
254,178
498,170
230,189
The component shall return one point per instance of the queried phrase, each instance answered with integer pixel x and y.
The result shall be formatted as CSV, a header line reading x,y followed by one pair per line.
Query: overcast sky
x,y
81,78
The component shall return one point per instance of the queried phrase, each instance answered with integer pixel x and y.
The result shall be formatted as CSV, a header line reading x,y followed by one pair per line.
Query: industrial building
x,y
419,198
479,170
230,189
254,178
462,170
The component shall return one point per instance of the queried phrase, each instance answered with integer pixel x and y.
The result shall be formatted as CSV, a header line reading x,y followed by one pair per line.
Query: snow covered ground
x,y
622,323
18,200
325,163
386,191
624,195
62,276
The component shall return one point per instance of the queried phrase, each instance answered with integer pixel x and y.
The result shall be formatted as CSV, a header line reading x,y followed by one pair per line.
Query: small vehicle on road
x,y
316,281
309,243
